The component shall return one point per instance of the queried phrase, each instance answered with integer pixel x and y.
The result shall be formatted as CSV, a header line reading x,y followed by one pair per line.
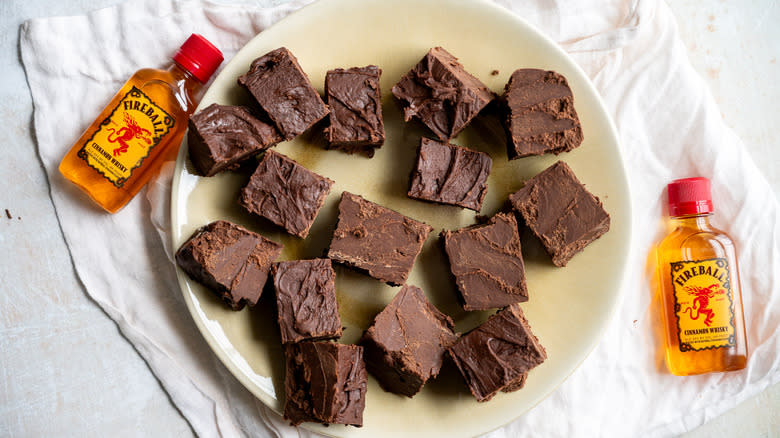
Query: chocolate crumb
x,y
8,213
494,73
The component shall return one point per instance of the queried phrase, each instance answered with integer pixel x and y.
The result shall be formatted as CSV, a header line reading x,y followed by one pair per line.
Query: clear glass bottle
x,y
141,128
699,287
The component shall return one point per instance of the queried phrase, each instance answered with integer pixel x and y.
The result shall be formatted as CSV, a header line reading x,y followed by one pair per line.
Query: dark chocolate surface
x,y
442,94
498,354
230,260
325,382
487,263
306,300
540,114
355,102
560,212
405,344
376,240
450,174
221,136
285,193
284,92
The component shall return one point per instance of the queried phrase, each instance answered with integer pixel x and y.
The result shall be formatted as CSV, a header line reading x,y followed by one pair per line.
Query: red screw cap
x,y
198,56
689,196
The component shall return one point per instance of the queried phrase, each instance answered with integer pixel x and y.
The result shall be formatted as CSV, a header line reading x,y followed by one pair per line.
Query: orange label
x,y
703,304
126,137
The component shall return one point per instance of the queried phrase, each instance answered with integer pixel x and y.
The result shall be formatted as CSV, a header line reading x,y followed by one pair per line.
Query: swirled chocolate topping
x,y
284,92
540,114
450,174
221,136
376,240
441,94
285,193
498,354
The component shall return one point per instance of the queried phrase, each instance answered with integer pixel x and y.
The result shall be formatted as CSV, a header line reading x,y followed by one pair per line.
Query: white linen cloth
x,y
669,127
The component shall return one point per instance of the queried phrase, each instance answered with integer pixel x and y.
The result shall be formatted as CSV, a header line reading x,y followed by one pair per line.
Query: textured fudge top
x,y
442,94
560,212
487,263
284,92
230,260
450,174
286,193
306,300
355,108
325,382
498,353
377,240
220,136
413,333
541,116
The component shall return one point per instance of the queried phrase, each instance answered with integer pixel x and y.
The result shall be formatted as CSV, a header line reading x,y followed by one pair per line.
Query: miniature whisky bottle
x,y
141,127
699,287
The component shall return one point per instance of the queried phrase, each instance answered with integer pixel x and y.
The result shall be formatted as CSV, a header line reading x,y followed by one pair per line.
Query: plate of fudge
x,y
401,218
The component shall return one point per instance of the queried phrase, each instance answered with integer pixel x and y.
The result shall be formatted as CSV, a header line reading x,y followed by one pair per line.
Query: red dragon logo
x,y
126,133
702,301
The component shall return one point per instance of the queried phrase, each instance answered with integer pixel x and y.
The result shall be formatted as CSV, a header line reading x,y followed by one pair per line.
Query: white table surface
x,y
65,370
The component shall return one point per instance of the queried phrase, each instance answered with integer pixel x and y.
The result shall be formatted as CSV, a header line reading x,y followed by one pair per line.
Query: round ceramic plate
x,y
568,307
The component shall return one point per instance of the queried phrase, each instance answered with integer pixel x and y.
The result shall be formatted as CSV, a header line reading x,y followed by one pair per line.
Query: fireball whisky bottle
x,y
699,287
141,127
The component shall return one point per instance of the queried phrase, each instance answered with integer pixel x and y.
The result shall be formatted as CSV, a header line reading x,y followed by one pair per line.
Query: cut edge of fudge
x,y
298,225
353,137
401,360
333,395
289,97
539,107
191,259
514,341
525,200
423,95
308,318
366,264
499,294
431,186
215,144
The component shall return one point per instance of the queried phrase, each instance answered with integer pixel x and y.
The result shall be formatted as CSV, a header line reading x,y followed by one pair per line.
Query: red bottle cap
x,y
689,196
198,56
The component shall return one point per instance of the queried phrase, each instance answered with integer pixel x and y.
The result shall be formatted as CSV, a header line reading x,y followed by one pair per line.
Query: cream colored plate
x,y
568,307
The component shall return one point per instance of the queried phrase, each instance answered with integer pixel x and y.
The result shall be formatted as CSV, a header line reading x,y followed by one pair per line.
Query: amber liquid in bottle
x,y
144,123
701,298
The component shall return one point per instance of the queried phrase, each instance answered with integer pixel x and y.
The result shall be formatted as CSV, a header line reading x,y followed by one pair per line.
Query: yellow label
x,y
703,304
126,137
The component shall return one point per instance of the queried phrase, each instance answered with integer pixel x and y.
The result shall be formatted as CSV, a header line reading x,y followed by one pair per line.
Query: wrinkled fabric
x,y
669,127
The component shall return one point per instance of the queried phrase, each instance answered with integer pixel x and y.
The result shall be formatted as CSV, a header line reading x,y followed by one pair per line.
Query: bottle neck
x,y
188,88
700,221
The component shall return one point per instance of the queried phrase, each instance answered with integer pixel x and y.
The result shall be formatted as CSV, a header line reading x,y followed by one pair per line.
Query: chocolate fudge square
x,y
450,174
284,92
230,260
306,300
405,344
285,193
498,354
376,240
222,136
560,212
355,103
325,383
540,114
487,263
441,94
